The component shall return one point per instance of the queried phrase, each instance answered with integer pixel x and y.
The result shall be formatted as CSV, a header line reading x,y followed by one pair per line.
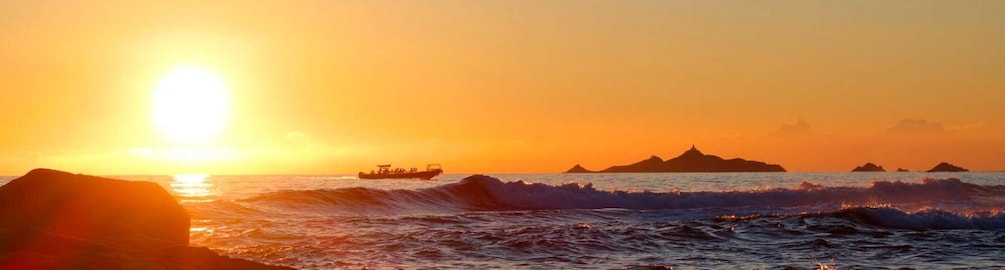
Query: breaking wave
x,y
484,193
482,222
920,220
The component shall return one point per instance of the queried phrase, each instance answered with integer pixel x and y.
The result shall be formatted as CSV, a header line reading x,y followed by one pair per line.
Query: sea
x,y
866,220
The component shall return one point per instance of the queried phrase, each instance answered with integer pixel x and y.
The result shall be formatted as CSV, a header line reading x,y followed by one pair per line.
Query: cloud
x,y
799,128
966,126
917,126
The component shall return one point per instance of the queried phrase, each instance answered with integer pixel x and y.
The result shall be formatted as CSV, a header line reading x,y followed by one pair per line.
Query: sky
x,y
505,86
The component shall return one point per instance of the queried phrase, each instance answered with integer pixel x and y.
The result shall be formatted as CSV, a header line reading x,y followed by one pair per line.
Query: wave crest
x,y
921,220
479,192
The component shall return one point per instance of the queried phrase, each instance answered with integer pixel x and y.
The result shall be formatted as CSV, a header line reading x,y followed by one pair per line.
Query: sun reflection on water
x,y
192,188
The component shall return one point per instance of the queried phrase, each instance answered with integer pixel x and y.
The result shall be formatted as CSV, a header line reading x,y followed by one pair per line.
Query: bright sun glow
x,y
192,187
191,104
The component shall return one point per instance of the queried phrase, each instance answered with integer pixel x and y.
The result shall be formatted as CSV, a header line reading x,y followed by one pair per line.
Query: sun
x,y
190,104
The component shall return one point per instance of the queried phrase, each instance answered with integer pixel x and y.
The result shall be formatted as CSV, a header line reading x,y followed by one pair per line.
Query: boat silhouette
x,y
384,171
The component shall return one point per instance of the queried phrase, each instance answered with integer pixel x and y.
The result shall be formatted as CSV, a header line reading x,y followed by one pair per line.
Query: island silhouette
x,y
946,167
691,160
869,167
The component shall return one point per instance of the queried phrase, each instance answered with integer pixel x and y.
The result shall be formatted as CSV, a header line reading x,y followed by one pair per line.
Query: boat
x,y
384,171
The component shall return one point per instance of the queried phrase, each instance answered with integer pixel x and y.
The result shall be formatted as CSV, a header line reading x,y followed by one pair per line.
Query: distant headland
x,y
690,161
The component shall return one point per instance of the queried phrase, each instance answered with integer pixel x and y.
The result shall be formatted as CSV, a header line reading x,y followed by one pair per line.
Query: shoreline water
x,y
646,221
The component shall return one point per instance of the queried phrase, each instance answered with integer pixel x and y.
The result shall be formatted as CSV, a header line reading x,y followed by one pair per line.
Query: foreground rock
x,y
868,167
946,167
690,161
56,220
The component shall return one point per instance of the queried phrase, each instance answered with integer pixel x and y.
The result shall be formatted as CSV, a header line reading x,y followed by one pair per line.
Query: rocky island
x,y
57,220
578,169
869,167
690,161
946,167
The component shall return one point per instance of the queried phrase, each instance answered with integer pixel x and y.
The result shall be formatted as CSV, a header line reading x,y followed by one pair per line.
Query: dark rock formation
x,y
92,207
578,169
56,220
946,167
869,167
652,164
694,161
902,170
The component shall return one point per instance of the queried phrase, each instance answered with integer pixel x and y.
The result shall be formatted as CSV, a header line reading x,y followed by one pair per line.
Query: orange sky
x,y
506,86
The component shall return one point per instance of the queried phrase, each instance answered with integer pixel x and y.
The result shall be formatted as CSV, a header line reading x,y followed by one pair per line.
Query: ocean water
x,y
602,221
